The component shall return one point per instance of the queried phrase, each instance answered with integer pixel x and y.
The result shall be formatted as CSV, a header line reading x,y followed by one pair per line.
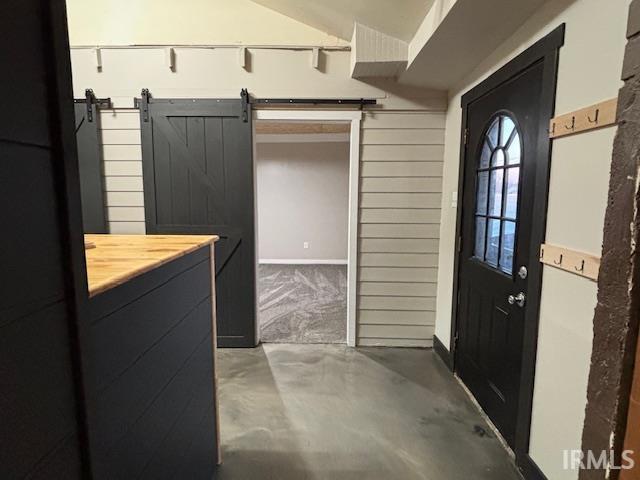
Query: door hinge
x,y
244,96
144,104
459,243
465,138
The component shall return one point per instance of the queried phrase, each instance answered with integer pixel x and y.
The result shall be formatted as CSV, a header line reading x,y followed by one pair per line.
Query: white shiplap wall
x,y
122,155
400,198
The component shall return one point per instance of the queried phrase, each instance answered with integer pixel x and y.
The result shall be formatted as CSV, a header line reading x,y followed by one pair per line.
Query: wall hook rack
x,y
589,118
572,261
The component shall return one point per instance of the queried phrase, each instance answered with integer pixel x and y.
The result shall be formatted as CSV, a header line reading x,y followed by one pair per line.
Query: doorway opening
x,y
306,170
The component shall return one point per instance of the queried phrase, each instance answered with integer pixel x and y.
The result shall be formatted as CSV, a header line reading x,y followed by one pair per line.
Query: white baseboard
x,y
306,261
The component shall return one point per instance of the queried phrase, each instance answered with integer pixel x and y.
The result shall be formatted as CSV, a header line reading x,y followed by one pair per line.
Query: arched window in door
x,y
497,192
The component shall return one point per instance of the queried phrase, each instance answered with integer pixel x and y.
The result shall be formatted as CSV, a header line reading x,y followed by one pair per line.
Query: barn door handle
x,y
518,299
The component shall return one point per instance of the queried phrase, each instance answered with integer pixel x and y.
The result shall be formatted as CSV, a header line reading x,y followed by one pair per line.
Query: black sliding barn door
x,y
90,165
198,179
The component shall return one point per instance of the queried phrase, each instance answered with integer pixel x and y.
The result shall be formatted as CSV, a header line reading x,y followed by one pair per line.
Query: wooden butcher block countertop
x,y
119,258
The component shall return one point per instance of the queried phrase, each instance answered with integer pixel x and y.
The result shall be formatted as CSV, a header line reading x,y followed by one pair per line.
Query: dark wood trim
x,y
529,469
442,352
550,43
538,233
458,241
545,50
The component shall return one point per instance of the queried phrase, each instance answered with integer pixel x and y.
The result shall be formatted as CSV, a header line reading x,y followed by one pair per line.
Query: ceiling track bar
x,y
361,102
90,99
143,102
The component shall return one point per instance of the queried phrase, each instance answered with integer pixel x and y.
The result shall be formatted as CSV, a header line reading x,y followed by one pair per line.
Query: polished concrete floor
x,y
297,412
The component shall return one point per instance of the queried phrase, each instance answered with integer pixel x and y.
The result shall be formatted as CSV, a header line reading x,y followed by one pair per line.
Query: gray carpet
x,y
302,303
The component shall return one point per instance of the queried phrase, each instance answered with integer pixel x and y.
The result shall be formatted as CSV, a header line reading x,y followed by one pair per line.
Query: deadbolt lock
x,y
523,272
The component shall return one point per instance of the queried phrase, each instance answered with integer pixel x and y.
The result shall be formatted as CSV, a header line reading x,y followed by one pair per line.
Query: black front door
x,y
502,163
198,179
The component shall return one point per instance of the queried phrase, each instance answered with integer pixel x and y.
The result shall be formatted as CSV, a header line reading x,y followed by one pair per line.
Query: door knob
x,y
517,299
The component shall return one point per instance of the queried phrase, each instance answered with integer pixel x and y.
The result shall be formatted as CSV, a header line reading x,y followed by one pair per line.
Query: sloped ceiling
x,y
187,22
398,18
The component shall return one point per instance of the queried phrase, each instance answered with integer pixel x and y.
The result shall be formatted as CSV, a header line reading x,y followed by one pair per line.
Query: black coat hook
x,y
573,124
559,262
595,120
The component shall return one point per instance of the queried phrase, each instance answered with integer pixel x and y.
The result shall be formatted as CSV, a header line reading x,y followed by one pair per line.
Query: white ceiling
x,y
398,18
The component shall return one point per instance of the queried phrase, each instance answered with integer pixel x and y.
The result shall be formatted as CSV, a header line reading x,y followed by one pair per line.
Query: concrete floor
x,y
297,412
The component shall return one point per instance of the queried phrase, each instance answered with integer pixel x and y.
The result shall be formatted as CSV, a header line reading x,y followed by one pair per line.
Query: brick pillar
x,y
616,314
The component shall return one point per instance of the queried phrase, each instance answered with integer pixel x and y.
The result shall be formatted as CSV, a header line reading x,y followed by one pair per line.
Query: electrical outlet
x,y
305,245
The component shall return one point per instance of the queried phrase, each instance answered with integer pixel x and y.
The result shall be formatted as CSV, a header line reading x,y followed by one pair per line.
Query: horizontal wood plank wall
x,y
122,156
400,194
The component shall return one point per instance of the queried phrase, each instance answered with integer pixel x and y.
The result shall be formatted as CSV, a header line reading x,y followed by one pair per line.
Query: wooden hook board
x,y
589,118
578,263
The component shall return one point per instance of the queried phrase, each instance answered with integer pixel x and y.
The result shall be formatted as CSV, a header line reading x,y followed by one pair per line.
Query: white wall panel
x,y
125,168
391,230
400,204
392,153
382,317
401,169
398,215
399,245
401,185
122,168
404,120
397,289
400,200
125,199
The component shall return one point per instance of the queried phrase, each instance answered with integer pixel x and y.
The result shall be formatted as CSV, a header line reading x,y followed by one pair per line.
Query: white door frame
x,y
354,174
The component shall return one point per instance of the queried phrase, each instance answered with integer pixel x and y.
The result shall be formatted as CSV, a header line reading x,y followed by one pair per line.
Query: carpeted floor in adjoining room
x,y
302,303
